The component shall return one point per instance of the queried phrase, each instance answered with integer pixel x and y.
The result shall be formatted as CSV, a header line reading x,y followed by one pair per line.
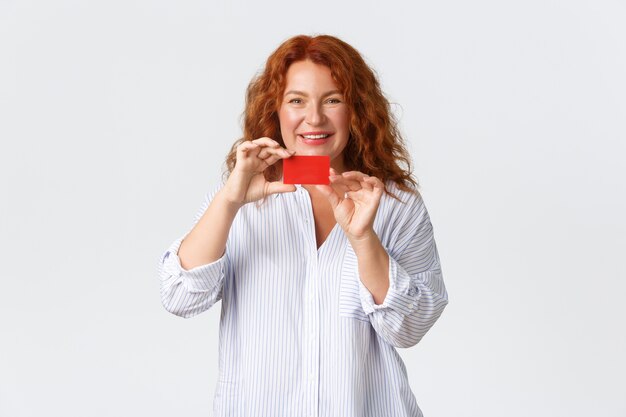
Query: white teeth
x,y
315,136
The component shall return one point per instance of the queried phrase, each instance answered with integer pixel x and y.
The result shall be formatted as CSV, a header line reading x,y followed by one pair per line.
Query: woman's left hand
x,y
354,198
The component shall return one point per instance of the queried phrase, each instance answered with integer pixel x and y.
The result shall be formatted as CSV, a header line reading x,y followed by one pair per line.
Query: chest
x,y
324,220
272,254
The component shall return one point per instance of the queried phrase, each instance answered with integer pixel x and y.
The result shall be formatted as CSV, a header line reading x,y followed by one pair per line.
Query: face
x,y
313,115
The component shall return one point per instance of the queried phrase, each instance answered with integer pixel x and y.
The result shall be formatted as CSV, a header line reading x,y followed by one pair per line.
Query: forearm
x,y
373,264
206,242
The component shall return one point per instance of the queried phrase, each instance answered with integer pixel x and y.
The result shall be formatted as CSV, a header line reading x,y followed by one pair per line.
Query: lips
x,y
315,138
319,134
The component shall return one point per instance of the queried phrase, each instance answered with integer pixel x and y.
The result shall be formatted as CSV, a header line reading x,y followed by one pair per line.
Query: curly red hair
x,y
375,146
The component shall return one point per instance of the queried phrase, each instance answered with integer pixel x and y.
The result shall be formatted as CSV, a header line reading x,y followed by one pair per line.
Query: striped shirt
x,y
300,335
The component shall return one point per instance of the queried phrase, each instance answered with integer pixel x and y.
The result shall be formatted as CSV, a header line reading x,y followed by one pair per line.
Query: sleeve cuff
x,y
401,296
201,278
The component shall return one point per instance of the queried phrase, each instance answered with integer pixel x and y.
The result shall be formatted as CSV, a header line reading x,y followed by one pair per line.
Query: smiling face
x,y
313,115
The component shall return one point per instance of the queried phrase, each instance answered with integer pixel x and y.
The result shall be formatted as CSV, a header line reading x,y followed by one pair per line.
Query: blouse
x,y
299,334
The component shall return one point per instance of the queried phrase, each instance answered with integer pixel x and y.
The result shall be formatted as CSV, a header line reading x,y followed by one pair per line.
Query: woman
x,y
319,283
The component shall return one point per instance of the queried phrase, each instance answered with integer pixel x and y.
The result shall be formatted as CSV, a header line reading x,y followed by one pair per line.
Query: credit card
x,y
306,169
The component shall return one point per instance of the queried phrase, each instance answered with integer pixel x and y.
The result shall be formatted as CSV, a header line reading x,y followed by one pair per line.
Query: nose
x,y
314,115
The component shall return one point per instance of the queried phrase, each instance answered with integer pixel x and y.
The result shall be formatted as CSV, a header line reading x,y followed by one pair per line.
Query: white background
x,y
116,116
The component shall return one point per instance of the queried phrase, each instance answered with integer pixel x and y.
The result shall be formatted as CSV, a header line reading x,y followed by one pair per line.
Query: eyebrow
x,y
302,93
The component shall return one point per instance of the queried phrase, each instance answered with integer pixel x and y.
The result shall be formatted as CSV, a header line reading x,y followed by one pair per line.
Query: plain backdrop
x,y
116,116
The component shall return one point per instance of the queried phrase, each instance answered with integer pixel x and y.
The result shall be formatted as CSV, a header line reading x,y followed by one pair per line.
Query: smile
x,y
315,136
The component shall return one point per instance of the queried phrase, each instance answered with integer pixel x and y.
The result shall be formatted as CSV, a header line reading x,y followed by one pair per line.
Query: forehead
x,y
308,76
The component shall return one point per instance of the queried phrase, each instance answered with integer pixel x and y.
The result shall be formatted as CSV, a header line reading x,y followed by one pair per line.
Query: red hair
x,y
375,146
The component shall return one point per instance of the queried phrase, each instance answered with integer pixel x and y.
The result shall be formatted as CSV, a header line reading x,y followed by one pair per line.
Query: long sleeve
x,y
187,293
417,295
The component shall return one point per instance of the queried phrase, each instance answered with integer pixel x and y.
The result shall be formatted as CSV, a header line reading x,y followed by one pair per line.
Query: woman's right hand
x,y
246,182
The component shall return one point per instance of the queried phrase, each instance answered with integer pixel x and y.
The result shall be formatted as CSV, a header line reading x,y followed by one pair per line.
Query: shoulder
x,y
399,220
410,211
208,198
408,199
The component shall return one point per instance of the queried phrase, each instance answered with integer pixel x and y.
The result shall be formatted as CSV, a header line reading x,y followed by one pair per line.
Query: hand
x,y
354,198
246,182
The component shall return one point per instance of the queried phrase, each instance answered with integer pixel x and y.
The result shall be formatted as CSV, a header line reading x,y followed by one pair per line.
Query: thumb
x,y
278,187
330,194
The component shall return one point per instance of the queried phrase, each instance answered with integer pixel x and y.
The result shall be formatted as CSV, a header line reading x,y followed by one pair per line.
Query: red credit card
x,y
305,169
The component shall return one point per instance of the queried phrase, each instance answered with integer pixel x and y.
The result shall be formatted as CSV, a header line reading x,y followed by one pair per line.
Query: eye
x,y
295,101
334,100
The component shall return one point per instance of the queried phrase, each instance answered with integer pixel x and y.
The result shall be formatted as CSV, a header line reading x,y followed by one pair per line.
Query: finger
x,y
354,179
264,152
271,160
279,152
245,147
352,195
362,196
338,185
355,175
328,192
376,184
347,183
367,185
266,142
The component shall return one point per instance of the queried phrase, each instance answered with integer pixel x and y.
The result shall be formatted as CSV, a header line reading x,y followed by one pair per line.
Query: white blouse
x,y
300,335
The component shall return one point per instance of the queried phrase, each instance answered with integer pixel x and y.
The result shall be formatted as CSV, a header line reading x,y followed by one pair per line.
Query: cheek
x,y
288,119
340,119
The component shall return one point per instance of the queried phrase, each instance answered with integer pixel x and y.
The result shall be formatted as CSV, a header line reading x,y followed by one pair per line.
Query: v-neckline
x,y
332,230
330,234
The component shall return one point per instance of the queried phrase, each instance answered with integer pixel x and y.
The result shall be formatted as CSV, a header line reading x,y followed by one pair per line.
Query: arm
x,y
193,268
192,271
407,277
416,295
206,242
373,265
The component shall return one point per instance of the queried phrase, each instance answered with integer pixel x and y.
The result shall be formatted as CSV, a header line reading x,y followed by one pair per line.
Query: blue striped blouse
x,y
300,335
